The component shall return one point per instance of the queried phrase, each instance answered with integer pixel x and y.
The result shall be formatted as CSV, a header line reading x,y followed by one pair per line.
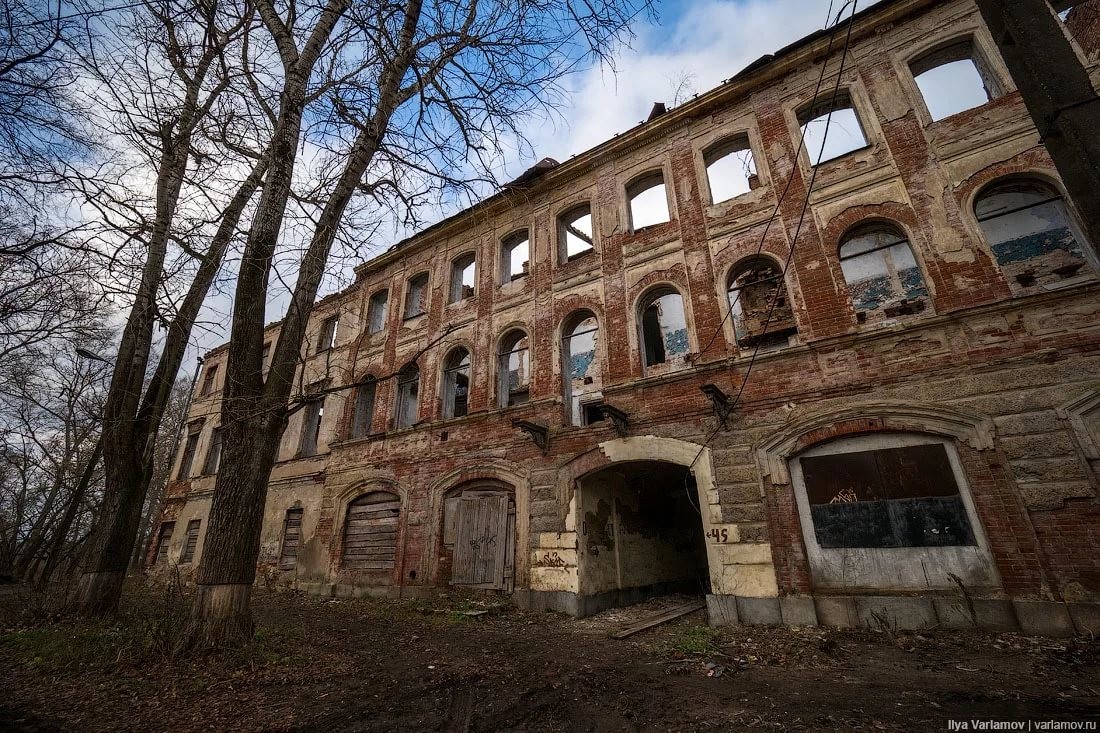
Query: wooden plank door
x,y
481,542
370,534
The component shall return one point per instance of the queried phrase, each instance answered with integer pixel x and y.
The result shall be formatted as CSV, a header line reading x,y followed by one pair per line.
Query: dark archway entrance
x,y
640,534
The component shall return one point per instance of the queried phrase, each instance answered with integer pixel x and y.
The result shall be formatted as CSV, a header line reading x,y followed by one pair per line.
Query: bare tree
x,y
436,89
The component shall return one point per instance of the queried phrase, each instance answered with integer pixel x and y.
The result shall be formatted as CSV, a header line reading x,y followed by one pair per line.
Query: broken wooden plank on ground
x,y
659,618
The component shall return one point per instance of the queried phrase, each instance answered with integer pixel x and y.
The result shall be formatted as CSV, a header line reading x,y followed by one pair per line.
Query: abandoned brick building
x,y
818,385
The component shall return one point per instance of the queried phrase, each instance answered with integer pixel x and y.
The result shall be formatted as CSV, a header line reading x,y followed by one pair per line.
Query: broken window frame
x,y
654,346
362,414
416,296
378,311
509,395
190,449
190,541
772,337
509,246
406,412
725,149
954,51
1082,264
904,300
209,380
456,383
309,441
326,337
213,453
823,110
638,189
591,384
461,266
566,229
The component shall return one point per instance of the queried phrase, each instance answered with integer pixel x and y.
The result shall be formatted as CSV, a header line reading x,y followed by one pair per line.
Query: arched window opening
x,y
834,124
581,368
664,329
363,414
575,233
408,395
648,201
883,277
456,383
377,310
515,257
762,313
731,169
462,278
370,532
416,296
953,79
514,369
1032,234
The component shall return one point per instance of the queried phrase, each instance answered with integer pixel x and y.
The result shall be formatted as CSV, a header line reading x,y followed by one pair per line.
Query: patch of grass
x,y
695,641
65,646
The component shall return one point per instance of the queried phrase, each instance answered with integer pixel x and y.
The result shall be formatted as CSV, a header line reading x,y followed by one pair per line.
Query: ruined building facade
x,y
821,385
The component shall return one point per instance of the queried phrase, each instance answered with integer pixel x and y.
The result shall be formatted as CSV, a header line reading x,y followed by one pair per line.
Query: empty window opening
x,y
664,329
1032,234
416,296
190,447
515,257
462,278
883,277
575,232
408,396
213,453
164,539
377,311
265,354
648,201
479,533
515,369
326,339
190,541
762,313
311,427
456,383
731,169
292,538
363,412
640,533
592,412
954,79
370,533
210,380
831,129
581,369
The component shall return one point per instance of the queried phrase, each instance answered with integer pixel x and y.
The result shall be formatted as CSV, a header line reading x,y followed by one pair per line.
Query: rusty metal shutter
x,y
191,540
481,541
292,535
164,538
370,532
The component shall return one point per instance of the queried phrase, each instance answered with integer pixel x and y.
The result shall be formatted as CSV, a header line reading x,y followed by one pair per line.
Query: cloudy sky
x,y
691,44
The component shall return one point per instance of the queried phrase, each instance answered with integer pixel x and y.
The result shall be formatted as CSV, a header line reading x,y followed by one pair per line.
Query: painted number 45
x,y
719,535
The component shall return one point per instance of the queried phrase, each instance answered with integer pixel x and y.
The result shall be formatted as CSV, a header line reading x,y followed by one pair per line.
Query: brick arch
x,y
1034,163
572,303
675,276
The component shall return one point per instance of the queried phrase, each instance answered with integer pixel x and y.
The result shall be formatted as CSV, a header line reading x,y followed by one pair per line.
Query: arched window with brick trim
x,y
760,305
456,383
581,367
883,278
663,329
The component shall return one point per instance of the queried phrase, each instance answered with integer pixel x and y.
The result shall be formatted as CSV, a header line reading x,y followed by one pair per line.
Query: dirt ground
x,y
367,665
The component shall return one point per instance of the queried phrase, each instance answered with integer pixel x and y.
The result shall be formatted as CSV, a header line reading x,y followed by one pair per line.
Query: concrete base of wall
x,y
574,604
909,613
342,590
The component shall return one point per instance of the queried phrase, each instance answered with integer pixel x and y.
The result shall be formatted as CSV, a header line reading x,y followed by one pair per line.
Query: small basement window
x,y
953,79
575,232
731,169
462,278
377,310
515,257
416,296
831,128
648,201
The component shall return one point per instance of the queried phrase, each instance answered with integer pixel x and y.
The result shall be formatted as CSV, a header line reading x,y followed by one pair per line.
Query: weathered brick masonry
x,y
990,361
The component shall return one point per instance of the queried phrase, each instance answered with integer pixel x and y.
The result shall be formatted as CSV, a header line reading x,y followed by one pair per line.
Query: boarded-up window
x,y
164,538
190,541
370,532
891,497
292,536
